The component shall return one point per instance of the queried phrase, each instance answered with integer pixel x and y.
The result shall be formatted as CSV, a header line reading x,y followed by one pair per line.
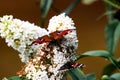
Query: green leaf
x,y
99,53
114,61
112,34
15,78
109,69
91,76
114,3
69,9
109,8
108,13
25,79
76,74
115,76
117,35
45,6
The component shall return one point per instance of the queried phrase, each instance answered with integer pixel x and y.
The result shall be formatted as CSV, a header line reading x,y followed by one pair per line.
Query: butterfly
x,y
51,37
71,65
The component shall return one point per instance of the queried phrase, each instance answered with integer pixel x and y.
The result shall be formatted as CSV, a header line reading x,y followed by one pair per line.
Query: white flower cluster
x,y
52,56
49,56
60,22
63,22
19,35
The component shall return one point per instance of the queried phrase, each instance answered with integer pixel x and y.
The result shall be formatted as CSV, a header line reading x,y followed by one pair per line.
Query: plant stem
x,y
43,22
71,6
112,4
114,61
109,8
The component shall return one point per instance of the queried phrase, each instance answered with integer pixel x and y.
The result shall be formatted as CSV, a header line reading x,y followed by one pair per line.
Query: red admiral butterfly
x,y
71,65
51,37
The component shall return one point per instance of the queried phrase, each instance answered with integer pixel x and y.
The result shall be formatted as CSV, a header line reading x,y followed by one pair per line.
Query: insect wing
x,y
76,65
41,40
66,66
54,35
71,65
65,32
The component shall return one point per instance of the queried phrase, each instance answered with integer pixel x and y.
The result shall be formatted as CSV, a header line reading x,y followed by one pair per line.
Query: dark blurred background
x,y
90,31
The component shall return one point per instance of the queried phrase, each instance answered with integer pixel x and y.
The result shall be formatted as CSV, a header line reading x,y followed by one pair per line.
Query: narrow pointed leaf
x,y
45,6
116,35
109,8
112,33
109,69
114,61
99,53
91,76
26,79
114,3
69,9
15,78
108,13
76,74
115,76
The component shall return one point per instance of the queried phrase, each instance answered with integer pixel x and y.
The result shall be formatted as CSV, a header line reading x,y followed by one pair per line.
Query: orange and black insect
x,y
71,65
51,37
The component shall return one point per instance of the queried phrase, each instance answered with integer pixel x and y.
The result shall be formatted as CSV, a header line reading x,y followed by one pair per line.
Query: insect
x,y
51,37
71,65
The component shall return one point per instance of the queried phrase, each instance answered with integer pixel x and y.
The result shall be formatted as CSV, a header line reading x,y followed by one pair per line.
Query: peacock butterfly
x,y
51,37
